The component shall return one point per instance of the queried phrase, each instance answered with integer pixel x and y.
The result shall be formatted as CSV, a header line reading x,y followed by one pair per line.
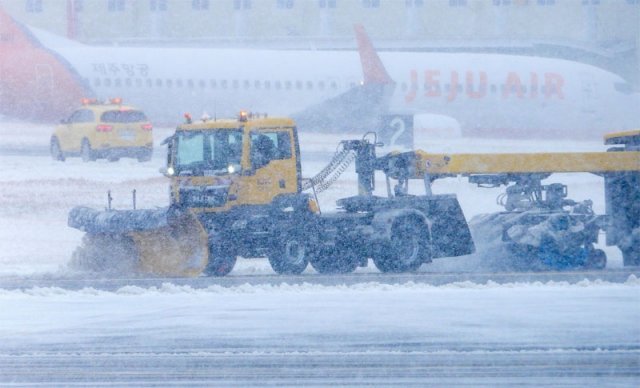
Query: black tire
x,y
336,260
289,255
631,256
56,151
86,153
220,264
144,156
408,249
597,259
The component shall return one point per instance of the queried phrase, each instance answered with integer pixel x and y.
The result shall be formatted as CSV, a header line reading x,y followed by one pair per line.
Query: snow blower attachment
x,y
160,242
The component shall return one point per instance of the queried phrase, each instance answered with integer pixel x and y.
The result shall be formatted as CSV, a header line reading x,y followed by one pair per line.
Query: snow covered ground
x,y
544,333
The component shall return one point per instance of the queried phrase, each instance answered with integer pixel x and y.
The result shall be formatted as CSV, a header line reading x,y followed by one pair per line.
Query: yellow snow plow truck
x,y
236,190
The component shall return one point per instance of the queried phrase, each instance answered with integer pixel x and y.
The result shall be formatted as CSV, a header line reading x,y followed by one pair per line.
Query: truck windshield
x,y
208,152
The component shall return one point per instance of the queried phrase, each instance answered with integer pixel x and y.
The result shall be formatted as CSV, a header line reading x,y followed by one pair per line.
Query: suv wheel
x,y
86,152
144,156
56,152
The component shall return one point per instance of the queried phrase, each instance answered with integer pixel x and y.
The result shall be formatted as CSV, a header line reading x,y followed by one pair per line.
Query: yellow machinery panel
x,y
544,162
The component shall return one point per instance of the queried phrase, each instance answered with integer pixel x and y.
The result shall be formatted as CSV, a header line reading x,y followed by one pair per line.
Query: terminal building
x,y
605,33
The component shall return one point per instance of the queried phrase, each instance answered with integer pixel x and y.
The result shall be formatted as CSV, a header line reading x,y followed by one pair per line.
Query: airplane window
x,y
223,84
34,6
96,82
118,83
179,83
334,85
236,84
128,82
190,83
256,84
149,83
247,84
169,83
457,3
202,84
115,5
284,4
277,85
287,85
213,84
321,85
200,5
158,82
267,84
158,5
309,85
298,85
238,4
493,89
327,3
414,3
371,3
138,82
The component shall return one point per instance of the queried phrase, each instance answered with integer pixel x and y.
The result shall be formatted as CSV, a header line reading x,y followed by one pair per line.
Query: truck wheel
x,y
550,257
631,256
596,259
86,152
56,151
288,256
407,250
333,261
220,265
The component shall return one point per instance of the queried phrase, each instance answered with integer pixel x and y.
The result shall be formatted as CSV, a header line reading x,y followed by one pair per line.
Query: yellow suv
x,y
103,130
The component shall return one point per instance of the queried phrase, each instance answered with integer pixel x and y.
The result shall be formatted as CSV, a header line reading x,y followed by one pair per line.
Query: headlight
x,y
231,169
170,171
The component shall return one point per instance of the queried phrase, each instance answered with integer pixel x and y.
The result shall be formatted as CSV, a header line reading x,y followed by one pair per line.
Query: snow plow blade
x,y
158,242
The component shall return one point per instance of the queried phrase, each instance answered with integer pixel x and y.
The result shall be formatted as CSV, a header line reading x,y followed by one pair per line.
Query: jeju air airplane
x,y
44,77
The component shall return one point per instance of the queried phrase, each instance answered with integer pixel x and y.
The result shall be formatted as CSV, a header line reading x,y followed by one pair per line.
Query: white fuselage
x,y
487,94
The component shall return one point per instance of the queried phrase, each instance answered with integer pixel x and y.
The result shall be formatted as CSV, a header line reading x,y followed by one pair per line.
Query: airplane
x,y
408,94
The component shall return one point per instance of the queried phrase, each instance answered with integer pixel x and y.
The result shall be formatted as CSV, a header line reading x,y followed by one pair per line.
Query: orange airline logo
x,y
475,85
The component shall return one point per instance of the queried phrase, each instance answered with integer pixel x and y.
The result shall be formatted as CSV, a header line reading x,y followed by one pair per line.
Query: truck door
x,y
273,161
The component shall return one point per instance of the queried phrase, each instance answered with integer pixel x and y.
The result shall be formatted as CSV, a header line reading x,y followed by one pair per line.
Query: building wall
x,y
582,21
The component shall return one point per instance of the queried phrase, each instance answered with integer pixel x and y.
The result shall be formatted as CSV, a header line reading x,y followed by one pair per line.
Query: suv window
x,y
82,116
123,116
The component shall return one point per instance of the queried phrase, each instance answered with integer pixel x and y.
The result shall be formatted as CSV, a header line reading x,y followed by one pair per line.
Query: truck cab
x,y
215,165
